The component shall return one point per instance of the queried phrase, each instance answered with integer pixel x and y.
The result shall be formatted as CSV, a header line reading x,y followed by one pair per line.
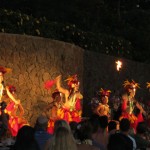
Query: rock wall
x,y
34,60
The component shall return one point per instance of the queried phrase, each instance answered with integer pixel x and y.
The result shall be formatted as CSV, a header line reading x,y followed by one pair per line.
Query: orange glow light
x,y
119,65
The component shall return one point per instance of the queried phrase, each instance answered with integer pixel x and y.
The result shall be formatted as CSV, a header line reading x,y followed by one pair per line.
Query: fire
x,y
119,65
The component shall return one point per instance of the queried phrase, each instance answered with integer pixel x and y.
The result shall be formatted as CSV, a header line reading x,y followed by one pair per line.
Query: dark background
x,y
121,26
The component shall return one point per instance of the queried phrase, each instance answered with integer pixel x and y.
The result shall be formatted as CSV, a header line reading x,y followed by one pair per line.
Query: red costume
x,y
15,121
71,110
53,108
129,103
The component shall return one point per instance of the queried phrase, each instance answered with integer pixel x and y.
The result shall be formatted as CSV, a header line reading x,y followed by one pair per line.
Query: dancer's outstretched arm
x,y
60,88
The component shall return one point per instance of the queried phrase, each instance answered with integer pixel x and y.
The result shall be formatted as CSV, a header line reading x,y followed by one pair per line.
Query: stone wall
x,y
34,60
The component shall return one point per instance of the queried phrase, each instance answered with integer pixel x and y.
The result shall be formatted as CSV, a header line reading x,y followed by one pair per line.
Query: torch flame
x,y
119,65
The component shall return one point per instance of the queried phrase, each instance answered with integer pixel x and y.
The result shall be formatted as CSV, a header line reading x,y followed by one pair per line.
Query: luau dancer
x,y
103,107
52,110
71,109
129,103
3,70
15,111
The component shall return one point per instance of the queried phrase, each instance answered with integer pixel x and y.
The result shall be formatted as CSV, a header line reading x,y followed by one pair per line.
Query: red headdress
x,y
130,85
72,80
11,88
105,92
4,70
48,84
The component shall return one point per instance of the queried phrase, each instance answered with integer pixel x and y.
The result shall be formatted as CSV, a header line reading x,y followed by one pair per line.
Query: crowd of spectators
x,y
94,133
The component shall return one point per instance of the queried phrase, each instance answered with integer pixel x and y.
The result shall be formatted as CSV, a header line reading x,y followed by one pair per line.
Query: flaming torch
x,y
119,65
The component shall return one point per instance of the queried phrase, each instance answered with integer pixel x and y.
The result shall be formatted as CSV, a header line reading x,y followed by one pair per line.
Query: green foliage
x,y
119,28
16,22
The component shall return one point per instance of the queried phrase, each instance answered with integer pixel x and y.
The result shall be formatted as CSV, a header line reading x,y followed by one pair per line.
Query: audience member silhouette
x,y
112,127
62,138
140,136
3,120
58,124
121,141
41,134
84,134
25,139
95,122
